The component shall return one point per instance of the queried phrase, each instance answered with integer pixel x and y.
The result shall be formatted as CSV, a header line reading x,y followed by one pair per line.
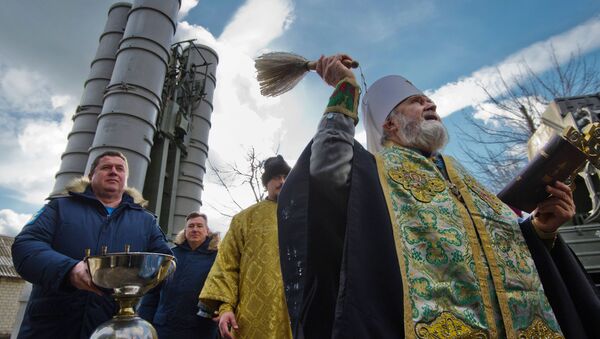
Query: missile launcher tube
x,y
132,101
201,68
79,140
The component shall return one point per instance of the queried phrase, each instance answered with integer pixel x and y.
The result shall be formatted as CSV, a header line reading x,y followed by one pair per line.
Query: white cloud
x,y
467,92
187,31
489,112
24,90
257,23
60,101
36,136
34,160
11,222
242,117
186,7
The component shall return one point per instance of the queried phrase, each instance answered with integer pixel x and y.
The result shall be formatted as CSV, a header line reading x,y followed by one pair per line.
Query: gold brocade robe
x,y
466,269
246,276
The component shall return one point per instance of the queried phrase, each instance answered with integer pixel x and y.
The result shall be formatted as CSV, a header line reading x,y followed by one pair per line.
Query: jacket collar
x,y
82,187
203,248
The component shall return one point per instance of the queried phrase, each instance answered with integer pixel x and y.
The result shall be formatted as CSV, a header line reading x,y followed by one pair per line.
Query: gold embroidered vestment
x,y
466,269
246,276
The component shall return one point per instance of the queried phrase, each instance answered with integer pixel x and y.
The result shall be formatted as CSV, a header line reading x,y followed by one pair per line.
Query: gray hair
x,y
180,237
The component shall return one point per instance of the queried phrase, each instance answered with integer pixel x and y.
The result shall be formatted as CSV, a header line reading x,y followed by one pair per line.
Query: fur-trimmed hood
x,y
213,245
79,185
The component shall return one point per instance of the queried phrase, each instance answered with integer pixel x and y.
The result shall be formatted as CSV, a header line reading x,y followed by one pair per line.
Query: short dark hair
x,y
107,154
196,215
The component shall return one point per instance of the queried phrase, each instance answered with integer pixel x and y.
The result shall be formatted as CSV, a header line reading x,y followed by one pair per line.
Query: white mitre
x,y
381,98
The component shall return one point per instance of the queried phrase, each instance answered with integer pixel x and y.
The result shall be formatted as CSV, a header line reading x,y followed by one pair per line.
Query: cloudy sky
x,y
444,47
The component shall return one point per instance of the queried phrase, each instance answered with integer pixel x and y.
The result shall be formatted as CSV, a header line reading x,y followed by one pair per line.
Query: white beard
x,y
428,135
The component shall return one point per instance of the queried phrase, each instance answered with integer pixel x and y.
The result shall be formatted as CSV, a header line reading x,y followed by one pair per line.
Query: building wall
x,y
10,290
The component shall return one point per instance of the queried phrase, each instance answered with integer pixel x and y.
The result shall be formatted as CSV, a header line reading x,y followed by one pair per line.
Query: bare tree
x,y
501,140
232,175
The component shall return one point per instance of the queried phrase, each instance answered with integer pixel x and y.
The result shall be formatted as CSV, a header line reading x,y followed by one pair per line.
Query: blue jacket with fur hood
x,y
173,309
55,240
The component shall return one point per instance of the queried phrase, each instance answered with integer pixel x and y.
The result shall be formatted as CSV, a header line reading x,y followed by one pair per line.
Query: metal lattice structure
x,y
174,185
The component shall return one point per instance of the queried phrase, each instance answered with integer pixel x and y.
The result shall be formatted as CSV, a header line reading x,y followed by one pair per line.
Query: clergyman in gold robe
x,y
245,283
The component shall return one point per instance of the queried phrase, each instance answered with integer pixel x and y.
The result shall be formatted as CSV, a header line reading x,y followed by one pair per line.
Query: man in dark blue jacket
x,y
94,212
173,309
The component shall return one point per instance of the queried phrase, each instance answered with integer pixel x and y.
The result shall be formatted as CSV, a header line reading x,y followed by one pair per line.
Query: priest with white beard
x,y
401,241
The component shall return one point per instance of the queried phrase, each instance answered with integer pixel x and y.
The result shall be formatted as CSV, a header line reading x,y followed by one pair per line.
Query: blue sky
x,y
443,47
434,41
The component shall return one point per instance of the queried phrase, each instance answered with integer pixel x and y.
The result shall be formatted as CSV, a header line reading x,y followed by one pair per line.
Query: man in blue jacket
x,y
173,307
96,211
